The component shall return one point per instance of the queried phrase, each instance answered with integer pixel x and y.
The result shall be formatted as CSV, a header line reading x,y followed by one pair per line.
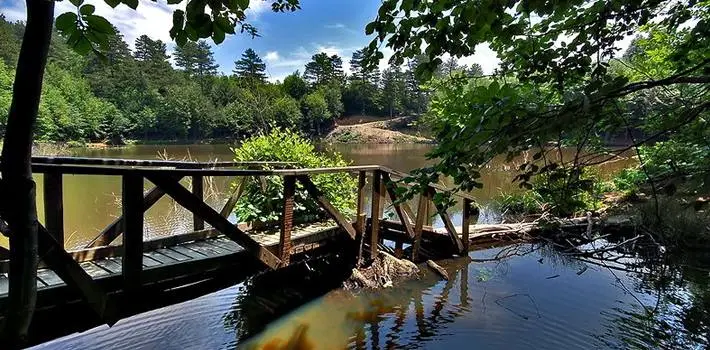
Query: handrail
x,y
180,164
114,166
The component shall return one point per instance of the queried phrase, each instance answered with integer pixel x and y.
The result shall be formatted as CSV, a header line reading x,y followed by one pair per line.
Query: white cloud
x,y
272,56
335,26
484,56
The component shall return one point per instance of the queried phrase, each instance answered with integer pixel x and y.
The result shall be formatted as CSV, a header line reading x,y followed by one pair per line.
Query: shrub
x,y
262,200
562,192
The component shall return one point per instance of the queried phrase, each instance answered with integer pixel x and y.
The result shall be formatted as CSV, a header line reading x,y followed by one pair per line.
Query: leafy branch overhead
x,y
201,19
561,81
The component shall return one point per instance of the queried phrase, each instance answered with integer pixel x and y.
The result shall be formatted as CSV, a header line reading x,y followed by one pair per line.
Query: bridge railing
x,y
166,176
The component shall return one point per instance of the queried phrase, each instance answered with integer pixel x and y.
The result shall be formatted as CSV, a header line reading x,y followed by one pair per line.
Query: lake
x,y
538,298
92,202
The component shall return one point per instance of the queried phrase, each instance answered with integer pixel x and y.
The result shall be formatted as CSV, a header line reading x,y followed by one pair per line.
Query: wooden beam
x,y
287,220
360,219
361,214
234,197
465,223
54,255
397,206
199,192
377,199
319,197
54,206
450,228
186,199
112,231
422,212
132,206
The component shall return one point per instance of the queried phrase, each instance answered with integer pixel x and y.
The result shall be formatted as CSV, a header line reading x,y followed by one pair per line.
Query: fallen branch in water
x,y
440,270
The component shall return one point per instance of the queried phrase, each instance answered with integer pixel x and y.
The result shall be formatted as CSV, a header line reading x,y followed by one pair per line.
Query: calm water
x,y
92,202
538,300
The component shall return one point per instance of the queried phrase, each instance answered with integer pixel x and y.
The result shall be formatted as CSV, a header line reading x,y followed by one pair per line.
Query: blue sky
x,y
287,41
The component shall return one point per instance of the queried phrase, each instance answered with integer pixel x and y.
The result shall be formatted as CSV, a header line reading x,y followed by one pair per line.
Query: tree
x,y
554,83
416,99
295,86
449,66
154,57
250,67
196,59
323,69
85,32
315,111
475,70
392,90
362,91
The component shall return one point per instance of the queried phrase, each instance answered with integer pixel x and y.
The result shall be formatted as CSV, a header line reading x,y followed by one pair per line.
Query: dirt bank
x,y
382,131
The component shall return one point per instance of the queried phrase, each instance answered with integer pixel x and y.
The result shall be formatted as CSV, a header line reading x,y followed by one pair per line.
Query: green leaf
x,y
131,3
243,4
217,34
65,21
178,19
181,38
87,9
100,24
370,28
174,2
83,46
112,3
76,3
224,24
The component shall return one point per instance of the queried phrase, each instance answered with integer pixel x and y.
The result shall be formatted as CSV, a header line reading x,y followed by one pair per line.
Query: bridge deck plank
x,y
306,236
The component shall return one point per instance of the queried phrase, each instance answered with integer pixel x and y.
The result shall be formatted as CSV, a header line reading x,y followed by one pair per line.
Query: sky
x,y
287,41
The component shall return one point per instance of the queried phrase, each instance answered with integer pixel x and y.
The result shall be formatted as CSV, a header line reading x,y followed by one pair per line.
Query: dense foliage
x,y
561,82
138,94
262,199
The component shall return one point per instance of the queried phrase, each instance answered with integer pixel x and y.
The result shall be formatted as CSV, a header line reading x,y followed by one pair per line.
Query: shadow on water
x,y
537,297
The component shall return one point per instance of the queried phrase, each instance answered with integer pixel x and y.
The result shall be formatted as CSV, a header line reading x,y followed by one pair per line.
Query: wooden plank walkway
x,y
305,237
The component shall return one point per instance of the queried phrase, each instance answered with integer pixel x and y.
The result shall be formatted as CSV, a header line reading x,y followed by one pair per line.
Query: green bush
x,y
561,192
262,200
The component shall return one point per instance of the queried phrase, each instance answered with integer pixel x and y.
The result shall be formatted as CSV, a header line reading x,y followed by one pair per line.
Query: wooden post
x,y
53,206
450,228
377,199
361,215
398,207
132,205
198,190
287,220
466,222
422,214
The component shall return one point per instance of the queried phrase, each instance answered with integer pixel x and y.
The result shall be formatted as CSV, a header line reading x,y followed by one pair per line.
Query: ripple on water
x,y
531,301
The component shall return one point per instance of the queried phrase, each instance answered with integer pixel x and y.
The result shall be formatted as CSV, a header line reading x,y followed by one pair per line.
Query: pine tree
x,y
196,59
250,66
324,69
393,90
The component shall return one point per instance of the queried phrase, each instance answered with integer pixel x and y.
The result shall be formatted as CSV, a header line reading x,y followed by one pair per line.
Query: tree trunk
x,y
17,182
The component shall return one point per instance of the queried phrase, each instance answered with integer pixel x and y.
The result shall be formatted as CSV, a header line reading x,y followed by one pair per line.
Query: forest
x,y
137,94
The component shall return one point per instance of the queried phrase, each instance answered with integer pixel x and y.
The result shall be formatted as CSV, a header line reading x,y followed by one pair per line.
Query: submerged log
x,y
381,273
438,269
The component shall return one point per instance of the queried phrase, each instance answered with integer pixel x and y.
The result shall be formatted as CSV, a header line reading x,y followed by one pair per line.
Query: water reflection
x,y
535,298
538,300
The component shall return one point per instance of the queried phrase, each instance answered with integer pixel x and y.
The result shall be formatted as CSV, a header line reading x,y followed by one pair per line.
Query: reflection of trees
x,y
674,315
673,299
265,298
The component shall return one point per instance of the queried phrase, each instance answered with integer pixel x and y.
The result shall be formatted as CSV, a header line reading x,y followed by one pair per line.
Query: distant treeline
x,y
138,94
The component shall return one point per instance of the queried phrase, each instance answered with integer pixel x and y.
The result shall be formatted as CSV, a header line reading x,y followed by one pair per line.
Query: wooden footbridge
x,y
118,278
